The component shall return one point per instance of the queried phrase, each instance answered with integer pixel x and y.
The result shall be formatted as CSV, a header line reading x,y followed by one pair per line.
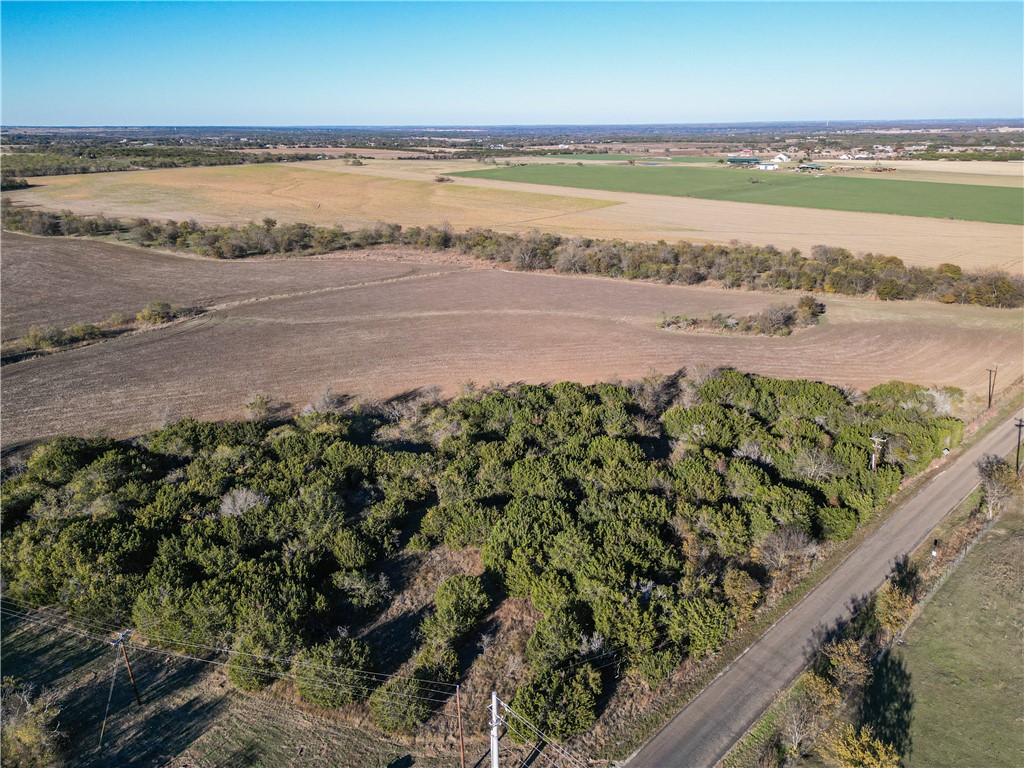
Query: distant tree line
x,y
67,159
1004,156
743,266
643,523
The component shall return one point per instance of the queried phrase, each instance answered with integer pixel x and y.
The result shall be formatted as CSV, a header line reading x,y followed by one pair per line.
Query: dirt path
x,y
704,731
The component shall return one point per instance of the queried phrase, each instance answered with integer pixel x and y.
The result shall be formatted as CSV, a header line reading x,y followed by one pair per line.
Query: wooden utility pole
x,y
992,382
462,743
1020,428
877,443
131,676
120,641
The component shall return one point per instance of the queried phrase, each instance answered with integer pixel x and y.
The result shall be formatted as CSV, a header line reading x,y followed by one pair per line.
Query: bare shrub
x,y
259,407
787,554
29,733
238,501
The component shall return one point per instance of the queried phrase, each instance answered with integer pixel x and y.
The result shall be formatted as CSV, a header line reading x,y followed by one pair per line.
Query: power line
x,y
536,731
390,696
382,747
379,677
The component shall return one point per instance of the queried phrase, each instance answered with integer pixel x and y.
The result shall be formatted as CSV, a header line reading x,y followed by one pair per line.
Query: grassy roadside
x,y
644,728
962,656
972,621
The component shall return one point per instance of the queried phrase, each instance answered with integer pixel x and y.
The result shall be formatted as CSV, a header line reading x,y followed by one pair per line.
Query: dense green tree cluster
x,y
828,270
639,544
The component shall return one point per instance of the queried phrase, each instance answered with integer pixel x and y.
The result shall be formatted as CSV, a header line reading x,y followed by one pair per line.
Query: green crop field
x,y
962,660
638,158
998,205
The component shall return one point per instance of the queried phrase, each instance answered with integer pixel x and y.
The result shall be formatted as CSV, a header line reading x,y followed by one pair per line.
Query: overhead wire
x,y
536,750
378,677
389,696
540,734
59,623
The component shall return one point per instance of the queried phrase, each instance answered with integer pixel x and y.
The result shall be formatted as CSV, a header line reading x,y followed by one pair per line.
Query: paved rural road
x,y
704,731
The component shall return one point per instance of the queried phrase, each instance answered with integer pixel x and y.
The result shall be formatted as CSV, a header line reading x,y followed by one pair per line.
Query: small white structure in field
x,y
767,166
782,157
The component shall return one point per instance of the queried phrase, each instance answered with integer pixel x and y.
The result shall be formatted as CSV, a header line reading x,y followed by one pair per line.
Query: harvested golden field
x,y
381,337
330,192
321,192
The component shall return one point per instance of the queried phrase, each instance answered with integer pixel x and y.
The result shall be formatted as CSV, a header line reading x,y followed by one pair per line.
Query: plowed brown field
x,y
369,332
58,281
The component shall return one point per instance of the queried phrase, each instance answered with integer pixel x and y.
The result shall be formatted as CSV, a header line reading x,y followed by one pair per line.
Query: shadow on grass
x,y
888,704
135,735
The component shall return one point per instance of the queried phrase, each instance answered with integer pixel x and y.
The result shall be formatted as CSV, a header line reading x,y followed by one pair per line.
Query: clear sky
x,y
427,63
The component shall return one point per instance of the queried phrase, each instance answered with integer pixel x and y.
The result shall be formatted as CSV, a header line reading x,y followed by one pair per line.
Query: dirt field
x,y
982,172
42,279
330,192
380,337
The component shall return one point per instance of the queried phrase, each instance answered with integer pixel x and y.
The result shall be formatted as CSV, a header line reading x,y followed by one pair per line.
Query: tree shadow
x,y
394,641
128,735
888,703
852,624
906,576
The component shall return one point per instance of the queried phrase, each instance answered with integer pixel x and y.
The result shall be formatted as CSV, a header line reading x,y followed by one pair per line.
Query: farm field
x,y
330,192
321,192
997,205
978,172
640,158
42,279
451,325
962,658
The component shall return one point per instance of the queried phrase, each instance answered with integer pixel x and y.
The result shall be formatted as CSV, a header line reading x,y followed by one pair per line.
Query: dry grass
x,y
322,192
330,192
445,326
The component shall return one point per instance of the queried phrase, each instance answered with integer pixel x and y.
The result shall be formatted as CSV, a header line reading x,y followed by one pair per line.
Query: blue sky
x,y
428,63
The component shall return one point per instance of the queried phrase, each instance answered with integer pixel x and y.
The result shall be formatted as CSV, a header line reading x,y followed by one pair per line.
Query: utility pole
x,y
462,743
119,642
122,641
494,729
877,443
1020,428
992,382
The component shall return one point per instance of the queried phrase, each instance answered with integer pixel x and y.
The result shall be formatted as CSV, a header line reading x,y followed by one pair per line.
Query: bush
x,y
561,703
400,705
156,312
327,674
29,734
460,603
